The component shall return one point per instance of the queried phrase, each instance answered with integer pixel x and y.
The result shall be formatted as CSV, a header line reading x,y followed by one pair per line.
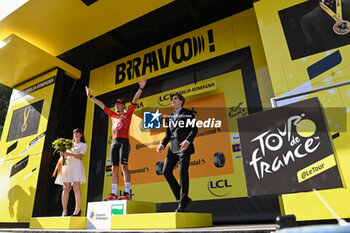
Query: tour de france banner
x,y
21,147
288,150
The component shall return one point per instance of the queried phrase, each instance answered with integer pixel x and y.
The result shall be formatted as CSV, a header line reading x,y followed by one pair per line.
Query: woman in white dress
x,y
73,172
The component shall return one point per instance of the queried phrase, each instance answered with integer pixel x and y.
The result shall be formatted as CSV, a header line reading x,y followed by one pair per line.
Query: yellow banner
x,y
199,45
316,168
163,99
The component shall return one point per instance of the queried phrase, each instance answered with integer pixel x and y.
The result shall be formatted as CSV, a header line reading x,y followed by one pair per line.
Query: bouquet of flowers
x,y
61,145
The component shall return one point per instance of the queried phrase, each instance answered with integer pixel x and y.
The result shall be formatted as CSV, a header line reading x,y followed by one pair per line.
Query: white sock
x,y
114,188
127,187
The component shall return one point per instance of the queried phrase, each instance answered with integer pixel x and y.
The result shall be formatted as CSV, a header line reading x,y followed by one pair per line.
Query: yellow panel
x,y
292,75
57,26
17,192
140,207
160,221
273,39
103,79
246,31
58,223
21,61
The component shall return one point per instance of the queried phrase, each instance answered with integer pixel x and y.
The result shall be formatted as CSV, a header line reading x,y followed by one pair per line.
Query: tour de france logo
x,y
300,144
287,150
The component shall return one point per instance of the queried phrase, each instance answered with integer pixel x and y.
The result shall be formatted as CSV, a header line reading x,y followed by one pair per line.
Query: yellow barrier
x,y
58,223
161,221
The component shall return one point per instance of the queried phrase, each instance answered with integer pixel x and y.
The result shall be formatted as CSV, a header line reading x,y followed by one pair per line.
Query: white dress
x,y
74,170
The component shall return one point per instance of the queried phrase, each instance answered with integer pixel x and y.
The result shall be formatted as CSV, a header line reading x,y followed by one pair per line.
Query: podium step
x,y
160,221
65,223
99,213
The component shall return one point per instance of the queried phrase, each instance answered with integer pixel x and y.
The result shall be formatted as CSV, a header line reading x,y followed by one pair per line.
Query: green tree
x,y
5,94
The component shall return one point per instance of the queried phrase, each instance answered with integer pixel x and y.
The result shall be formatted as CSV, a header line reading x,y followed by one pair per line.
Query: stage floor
x,y
255,228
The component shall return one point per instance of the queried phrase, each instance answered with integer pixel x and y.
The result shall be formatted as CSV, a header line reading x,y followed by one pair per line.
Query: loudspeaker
x,y
88,2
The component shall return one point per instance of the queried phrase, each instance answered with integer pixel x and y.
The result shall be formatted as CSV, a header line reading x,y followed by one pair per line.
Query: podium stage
x,y
252,228
123,215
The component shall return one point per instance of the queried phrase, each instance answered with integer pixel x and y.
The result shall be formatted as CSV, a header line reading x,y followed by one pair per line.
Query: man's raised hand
x,y
143,82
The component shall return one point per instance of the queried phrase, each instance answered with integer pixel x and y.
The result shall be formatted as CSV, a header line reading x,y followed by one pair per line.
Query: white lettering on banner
x,y
209,123
274,142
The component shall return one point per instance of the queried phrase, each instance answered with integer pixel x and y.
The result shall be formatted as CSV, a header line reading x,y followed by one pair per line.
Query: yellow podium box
x,y
58,223
99,213
136,207
161,221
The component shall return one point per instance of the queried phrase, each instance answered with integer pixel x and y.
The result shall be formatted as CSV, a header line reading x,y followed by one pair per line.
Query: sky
x,y
9,6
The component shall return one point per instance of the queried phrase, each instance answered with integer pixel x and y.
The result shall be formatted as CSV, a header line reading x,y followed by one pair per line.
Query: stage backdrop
x,y
21,147
216,168
304,52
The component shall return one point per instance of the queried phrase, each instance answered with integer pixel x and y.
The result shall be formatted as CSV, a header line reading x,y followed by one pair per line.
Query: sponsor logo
x,y
118,125
272,143
234,138
219,188
289,147
236,147
239,110
108,168
151,120
117,209
139,170
178,52
197,162
92,215
164,100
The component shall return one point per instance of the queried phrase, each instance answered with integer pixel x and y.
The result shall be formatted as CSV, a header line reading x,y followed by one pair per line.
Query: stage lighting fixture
x,y
88,2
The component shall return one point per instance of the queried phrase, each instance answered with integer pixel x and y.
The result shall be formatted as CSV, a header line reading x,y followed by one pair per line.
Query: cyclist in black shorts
x,y
120,147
